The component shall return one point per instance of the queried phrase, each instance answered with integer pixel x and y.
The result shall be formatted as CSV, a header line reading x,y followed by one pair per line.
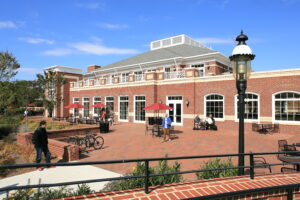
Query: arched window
x,y
214,104
287,106
251,106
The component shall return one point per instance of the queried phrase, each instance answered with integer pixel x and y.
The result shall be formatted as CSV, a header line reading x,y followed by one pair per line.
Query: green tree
x,y
50,82
8,66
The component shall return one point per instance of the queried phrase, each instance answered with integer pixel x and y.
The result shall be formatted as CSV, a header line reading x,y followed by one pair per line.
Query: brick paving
x,y
127,140
204,188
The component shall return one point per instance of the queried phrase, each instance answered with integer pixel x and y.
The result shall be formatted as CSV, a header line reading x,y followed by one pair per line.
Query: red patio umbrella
x,y
98,105
158,106
31,105
74,105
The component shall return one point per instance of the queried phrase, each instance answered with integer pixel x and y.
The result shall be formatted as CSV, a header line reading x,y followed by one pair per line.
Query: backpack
x,y
34,137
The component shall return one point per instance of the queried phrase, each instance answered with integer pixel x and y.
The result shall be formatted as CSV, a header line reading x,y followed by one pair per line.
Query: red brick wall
x,y
195,93
60,149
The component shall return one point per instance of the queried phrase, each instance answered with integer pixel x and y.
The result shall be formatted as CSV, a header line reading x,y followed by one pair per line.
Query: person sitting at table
x,y
210,123
166,125
197,122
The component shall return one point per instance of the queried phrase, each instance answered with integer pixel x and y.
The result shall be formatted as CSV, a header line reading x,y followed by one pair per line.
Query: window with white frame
x,y
251,106
200,68
140,102
97,109
109,101
123,109
76,110
139,76
287,106
215,105
86,103
124,77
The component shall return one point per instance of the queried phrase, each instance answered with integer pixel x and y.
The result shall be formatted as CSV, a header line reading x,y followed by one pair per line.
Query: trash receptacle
x,y
104,127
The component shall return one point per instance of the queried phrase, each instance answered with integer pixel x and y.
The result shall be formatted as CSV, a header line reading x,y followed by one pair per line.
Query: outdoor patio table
x,y
294,160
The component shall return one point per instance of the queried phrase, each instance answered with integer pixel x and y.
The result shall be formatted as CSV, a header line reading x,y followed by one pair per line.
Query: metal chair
x,y
260,162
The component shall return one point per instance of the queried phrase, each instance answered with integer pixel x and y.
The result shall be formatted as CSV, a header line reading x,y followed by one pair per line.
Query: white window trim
x,y
236,111
74,108
122,120
273,109
182,108
94,114
105,101
138,121
205,114
84,108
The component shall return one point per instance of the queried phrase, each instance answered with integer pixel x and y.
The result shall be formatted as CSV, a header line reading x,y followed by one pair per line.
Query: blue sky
x,y
78,33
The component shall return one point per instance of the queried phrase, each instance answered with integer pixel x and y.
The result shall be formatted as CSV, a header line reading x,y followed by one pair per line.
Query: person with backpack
x,y
40,141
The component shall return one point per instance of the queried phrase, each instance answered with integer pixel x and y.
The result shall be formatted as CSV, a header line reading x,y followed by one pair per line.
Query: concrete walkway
x,y
59,175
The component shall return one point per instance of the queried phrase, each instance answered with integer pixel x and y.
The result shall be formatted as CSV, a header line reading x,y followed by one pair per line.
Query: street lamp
x,y
241,63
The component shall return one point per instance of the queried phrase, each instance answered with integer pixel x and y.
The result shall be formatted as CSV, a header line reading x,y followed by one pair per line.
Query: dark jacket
x,y
42,138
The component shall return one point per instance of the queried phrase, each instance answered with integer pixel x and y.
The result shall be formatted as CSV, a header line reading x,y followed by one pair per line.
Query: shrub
x,y
6,156
47,193
217,163
139,170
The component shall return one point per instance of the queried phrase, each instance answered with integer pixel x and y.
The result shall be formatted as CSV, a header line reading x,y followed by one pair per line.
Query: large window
x,y
97,110
215,105
140,102
109,101
86,103
123,109
287,106
251,106
200,68
76,110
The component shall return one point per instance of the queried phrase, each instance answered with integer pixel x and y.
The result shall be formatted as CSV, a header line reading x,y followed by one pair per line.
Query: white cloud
x,y
57,52
113,26
36,40
7,24
98,49
214,41
29,70
92,5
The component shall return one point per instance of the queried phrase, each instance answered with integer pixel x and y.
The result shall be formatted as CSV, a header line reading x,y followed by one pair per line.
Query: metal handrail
x,y
146,175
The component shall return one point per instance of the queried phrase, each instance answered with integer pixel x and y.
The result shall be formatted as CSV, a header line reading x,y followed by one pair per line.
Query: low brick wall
x,y
58,148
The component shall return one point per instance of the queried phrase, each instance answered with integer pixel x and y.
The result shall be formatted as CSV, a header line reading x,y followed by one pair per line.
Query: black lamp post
x,y
241,63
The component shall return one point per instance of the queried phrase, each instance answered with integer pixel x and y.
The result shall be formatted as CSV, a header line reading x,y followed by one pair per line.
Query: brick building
x,y
191,78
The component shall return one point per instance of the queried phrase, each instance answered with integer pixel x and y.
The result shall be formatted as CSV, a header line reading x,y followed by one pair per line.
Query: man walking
x,y
166,125
40,141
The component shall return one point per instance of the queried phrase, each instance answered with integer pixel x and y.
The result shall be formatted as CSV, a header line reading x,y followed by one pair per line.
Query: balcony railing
x,y
139,77
109,80
252,165
76,84
86,83
175,75
97,82
124,79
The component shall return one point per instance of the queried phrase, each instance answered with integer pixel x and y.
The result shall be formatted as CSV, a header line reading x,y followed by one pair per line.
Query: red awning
x,y
98,105
158,106
74,105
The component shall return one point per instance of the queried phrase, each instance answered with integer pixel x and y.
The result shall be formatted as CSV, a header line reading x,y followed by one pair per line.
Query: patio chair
x,y
148,128
287,170
275,128
254,127
260,162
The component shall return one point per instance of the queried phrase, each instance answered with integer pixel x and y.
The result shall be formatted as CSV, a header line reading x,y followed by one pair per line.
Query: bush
x,y
217,163
162,167
6,156
5,130
47,193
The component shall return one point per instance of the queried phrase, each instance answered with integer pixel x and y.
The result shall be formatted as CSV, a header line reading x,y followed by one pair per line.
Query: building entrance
x,y
176,113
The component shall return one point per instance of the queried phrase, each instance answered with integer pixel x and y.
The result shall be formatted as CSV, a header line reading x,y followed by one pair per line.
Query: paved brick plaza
x,y
129,141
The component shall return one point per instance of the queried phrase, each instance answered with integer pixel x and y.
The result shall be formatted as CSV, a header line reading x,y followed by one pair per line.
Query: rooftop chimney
x,y
92,67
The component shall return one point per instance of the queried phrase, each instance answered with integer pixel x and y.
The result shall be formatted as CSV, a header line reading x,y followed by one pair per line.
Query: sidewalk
x,y
59,175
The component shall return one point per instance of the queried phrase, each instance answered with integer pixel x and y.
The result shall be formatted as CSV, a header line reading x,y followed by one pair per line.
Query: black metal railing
x,y
147,175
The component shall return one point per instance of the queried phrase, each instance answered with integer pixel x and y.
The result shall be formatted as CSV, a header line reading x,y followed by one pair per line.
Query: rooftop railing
x,y
147,173
175,75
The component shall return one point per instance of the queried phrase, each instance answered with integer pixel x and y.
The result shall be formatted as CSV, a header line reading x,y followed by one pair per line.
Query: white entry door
x,y
176,113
